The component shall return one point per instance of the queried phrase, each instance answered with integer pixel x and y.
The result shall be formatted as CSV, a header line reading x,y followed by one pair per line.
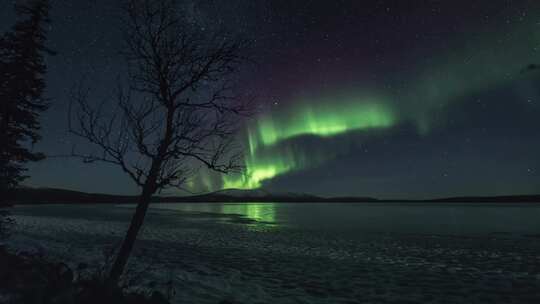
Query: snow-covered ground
x,y
273,253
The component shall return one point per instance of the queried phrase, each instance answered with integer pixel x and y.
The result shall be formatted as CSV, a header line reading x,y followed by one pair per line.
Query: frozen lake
x,y
310,253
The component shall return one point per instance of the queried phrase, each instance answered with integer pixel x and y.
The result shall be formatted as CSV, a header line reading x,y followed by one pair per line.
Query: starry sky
x,y
391,99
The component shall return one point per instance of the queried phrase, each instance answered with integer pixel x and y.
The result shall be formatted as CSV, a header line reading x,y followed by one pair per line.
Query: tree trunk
x,y
136,223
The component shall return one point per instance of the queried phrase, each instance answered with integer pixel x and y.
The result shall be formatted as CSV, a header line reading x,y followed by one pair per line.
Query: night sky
x,y
370,98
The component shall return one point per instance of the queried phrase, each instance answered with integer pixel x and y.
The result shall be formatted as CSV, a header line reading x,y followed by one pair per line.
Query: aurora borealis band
x,y
423,103
389,99
322,118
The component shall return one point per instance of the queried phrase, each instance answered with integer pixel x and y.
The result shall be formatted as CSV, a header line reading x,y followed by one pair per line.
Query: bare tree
x,y
177,111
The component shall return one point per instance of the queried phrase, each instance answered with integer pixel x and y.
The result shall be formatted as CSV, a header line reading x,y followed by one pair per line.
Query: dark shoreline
x,y
31,196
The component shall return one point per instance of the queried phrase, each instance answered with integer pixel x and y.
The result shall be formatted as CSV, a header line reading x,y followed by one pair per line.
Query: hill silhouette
x,y
62,196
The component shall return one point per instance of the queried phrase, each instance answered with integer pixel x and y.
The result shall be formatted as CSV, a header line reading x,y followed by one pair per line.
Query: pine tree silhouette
x,y
22,71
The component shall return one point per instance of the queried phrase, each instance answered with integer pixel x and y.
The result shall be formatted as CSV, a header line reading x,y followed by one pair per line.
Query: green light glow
x,y
320,117
474,64
420,95
257,170
325,118
264,212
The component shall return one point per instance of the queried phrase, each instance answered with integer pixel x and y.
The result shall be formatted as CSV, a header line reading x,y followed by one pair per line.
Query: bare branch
x,y
179,107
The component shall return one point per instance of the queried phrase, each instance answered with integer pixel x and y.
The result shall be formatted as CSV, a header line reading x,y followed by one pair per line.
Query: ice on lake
x,y
309,253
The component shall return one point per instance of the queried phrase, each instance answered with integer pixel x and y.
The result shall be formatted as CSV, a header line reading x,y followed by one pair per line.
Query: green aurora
x,y
478,61
269,155
328,117
422,98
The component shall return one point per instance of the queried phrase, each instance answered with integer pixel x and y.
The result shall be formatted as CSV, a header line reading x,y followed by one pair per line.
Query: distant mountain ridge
x,y
28,195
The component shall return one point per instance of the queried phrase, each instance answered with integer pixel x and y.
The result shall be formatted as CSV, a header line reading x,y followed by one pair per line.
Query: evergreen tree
x,y
22,71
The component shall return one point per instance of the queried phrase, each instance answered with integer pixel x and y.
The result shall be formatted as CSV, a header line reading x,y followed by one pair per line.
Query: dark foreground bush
x,y
31,279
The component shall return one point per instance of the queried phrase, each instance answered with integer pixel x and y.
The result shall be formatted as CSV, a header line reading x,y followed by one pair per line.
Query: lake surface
x,y
424,218
309,252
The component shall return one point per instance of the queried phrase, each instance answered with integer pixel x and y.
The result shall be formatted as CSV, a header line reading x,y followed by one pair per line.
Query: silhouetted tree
x,y
178,110
22,71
